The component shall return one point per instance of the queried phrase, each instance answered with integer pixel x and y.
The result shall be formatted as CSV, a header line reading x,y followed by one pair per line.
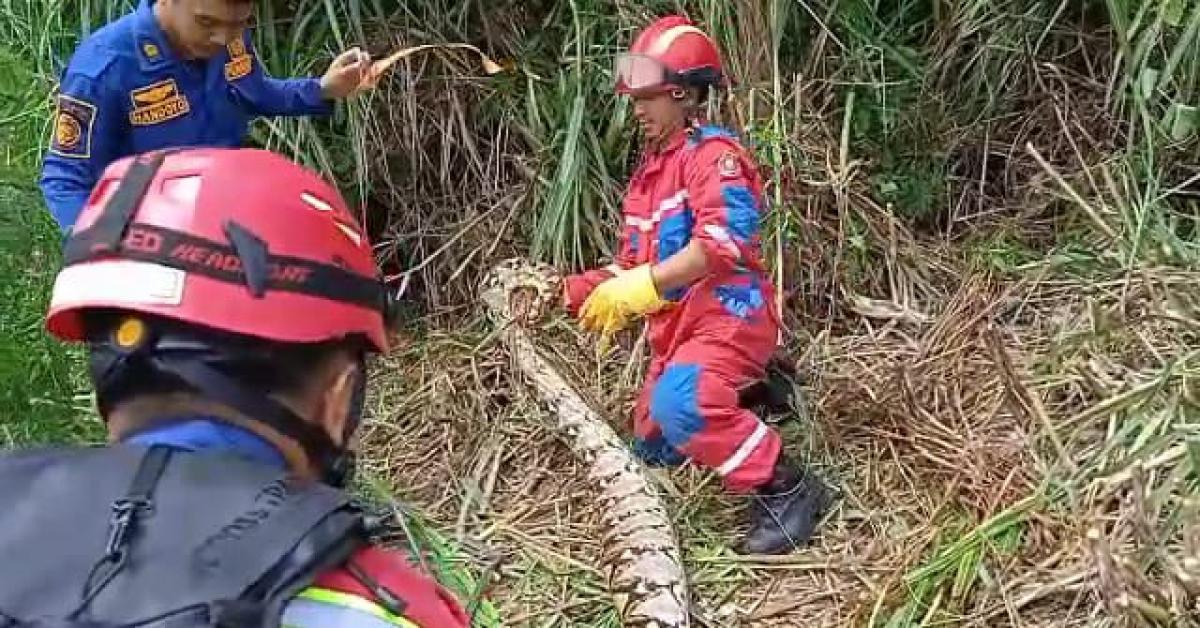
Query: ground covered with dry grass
x,y
1015,451
983,223
984,234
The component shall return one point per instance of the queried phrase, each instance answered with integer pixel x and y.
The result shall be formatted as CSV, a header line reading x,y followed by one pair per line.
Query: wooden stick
x,y
383,65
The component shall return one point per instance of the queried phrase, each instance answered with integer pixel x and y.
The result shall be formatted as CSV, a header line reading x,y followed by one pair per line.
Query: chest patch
x,y
240,62
238,68
73,123
157,103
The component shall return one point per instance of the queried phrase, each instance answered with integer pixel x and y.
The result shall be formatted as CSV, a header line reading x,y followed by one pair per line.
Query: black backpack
x,y
133,536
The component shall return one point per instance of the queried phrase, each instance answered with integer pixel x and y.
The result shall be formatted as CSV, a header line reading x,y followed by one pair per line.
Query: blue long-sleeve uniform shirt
x,y
125,92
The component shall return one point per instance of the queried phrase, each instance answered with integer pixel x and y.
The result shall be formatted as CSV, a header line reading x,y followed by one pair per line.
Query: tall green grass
x,y
907,80
300,39
43,390
585,143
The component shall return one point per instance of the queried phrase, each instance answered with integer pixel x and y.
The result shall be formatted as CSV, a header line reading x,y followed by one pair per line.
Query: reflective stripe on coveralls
x,y
748,446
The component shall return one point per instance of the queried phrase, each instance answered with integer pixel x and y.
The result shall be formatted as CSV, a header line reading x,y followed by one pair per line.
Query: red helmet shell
x,y
196,192
681,47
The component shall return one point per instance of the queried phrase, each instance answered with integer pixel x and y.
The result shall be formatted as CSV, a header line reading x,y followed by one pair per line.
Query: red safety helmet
x,y
669,54
236,240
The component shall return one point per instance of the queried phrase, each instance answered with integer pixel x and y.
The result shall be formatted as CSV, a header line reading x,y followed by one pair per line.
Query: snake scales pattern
x,y
641,554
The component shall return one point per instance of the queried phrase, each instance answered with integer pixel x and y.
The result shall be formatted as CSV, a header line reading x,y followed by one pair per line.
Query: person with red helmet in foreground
x,y
228,301
689,261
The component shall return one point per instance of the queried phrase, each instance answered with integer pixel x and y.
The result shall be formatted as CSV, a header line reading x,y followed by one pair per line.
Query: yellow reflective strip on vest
x,y
342,601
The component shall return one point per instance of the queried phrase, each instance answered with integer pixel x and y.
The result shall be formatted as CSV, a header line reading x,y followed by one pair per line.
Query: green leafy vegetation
x,y
43,398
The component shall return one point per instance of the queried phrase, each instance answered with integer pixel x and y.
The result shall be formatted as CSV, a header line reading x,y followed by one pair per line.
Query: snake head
x,y
526,291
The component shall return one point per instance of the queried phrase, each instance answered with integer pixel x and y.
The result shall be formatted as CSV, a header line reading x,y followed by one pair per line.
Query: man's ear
x,y
333,406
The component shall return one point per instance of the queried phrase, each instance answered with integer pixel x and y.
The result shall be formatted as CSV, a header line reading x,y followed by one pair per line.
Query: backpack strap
x,y
138,500
196,539
329,544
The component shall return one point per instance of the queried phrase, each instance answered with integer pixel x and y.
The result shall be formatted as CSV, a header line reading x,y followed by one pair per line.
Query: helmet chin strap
x,y
341,471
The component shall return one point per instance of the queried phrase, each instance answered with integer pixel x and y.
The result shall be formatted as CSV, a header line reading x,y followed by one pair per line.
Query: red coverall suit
x,y
718,333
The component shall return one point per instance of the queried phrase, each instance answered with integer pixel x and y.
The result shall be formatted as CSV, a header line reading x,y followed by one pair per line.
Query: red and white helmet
x,y
669,54
236,240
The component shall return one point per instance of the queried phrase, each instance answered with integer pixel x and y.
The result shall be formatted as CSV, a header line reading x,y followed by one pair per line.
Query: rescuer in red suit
x,y
689,261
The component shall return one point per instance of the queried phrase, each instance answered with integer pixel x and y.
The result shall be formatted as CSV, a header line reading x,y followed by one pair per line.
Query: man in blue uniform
x,y
173,73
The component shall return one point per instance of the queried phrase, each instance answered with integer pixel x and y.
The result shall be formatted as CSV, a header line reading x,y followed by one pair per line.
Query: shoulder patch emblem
x,y
157,103
150,49
73,122
729,166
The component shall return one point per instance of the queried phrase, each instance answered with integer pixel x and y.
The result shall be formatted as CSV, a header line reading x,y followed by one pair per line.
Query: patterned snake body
x,y
641,554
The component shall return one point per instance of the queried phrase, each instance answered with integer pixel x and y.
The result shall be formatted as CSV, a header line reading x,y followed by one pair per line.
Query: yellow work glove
x,y
629,294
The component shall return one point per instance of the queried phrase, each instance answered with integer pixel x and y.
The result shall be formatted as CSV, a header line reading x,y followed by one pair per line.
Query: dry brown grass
x,y
1014,442
930,425
458,439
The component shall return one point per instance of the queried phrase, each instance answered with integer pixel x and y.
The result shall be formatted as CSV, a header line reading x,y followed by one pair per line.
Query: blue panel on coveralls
x,y
741,212
740,301
710,131
675,405
674,233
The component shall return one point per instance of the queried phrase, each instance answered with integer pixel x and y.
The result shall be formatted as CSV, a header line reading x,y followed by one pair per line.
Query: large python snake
x,y
641,554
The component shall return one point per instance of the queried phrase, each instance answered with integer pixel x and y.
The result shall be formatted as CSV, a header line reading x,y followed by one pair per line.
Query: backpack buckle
x,y
124,513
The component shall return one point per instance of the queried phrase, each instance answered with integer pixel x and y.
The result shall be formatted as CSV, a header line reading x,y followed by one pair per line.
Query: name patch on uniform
x,y
157,103
238,68
236,48
73,121
240,62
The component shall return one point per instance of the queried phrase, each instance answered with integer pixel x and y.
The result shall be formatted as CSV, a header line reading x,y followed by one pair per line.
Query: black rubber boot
x,y
777,397
785,512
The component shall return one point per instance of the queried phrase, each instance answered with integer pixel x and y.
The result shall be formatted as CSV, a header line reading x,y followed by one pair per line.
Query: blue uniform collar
x,y
153,48
202,433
